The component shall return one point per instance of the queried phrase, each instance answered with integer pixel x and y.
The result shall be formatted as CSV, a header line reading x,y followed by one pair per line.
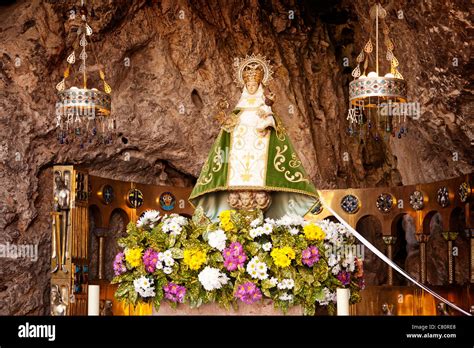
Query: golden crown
x,y
253,73
252,68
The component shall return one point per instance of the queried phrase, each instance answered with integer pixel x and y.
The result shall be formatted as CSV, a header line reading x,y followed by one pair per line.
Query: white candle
x,y
343,296
93,300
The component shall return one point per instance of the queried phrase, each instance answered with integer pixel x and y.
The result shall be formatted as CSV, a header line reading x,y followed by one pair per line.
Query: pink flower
x,y
236,248
310,256
344,277
150,257
119,264
248,293
306,254
174,292
234,256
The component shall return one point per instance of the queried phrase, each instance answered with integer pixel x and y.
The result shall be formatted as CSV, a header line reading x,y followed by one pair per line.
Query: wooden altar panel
x,y
416,302
151,195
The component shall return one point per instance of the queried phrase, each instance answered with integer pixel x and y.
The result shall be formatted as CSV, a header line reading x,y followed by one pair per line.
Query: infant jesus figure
x,y
265,115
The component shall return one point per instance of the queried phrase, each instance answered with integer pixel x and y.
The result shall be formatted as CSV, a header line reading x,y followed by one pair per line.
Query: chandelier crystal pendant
x,y
83,112
376,101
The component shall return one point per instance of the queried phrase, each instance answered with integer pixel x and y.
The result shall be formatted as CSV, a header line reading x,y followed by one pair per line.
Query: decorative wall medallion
x,y
385,202
350,204
317,207
464,192
135,198
167,201
106,194
442,196
416,200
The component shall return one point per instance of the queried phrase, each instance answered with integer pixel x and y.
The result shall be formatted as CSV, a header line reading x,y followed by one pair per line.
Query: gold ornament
x,y
254,67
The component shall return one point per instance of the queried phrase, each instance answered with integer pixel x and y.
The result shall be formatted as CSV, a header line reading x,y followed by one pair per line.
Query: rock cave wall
x,y
181,55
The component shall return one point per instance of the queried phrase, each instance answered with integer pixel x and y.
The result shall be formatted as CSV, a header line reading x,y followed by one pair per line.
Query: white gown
x,y
248,155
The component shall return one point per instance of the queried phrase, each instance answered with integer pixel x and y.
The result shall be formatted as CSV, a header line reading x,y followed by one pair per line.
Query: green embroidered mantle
x,y
285,178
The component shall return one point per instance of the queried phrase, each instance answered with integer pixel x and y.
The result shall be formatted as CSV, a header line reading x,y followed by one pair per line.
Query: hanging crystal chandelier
x,y
82,112
377,102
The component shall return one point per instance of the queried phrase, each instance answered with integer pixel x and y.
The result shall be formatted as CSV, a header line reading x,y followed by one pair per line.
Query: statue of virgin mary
x,y
252,163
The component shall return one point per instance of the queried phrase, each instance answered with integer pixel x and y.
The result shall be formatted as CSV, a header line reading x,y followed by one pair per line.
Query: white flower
x,y
332,260
167,270
257,269
253,273
335,232
211,278
144,287
291,220
270,221
350,267
267,246
159,265
286,284
290,284
255,232
348,259
149,219
255,223
173,224
294,231
328,297
169,261
286,297
217,239
267,228
166,257
273,281
336,269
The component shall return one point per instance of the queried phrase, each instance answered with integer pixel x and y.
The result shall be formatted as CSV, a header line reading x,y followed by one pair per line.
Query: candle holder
x,y
93,300
343,296
387,309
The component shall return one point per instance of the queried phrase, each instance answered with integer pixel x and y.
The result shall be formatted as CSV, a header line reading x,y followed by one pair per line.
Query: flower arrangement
x,y
242,258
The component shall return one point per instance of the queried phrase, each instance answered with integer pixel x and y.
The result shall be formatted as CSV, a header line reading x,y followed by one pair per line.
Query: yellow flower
x,y
289,252
225,215
313,232
194,258
283,256
134,256
226,222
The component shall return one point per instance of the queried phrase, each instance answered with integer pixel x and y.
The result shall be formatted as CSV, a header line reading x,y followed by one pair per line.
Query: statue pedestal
x,y
263,308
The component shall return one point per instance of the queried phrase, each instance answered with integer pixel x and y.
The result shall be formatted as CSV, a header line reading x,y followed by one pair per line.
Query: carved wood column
x,y
450,237
389,242
422,238
471,233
